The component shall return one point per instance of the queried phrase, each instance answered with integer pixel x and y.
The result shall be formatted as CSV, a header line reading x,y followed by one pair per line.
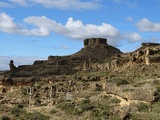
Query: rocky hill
x,y
96,50
98,82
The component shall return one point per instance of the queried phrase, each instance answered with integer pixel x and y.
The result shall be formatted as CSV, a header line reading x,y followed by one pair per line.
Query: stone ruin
x,y
94,41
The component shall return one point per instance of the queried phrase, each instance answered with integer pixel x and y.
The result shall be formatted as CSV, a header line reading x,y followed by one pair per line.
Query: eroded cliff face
x,y
96,55
94,41
148,54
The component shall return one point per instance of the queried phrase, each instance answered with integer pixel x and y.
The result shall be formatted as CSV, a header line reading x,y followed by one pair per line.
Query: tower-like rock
x,y
94,41
11,65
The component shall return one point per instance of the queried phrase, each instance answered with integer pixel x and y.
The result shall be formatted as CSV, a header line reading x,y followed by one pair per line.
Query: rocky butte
x,y
97,82
96,50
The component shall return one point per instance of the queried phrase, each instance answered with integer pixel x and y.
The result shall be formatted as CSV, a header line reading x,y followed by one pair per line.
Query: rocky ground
x,y
118,87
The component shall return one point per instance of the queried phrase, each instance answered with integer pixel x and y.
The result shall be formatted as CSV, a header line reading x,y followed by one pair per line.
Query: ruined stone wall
x,y
94,41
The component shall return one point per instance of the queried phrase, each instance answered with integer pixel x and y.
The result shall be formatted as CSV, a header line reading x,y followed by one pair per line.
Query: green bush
x,y
142,107
20,106
122,82
157,94
15,110
98,87
85,105
99,114
115,100
68,107
96,114
5,118
72,110
36,116
105,113
24,91
64,105
53,111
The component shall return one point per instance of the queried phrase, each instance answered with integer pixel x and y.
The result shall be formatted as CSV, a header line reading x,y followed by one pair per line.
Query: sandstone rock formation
x,y
11,65
149,44
95,50
94,41
132,94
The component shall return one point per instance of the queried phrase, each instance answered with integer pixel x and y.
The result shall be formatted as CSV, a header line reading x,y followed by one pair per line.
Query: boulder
x,y
129,92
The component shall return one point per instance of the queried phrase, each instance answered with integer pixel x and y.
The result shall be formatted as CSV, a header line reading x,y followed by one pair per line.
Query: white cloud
x,y
4,61
78,30
7,24
75,29
52,4
45,26
133,37
72,29
145,25
19,2
66,4
5,4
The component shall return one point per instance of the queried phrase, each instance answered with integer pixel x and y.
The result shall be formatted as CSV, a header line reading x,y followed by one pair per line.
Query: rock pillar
x,y
11,65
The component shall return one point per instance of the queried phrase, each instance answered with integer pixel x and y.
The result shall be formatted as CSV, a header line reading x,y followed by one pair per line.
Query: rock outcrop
x,y
149,44
96,55
11,65
130,93
94,41
96,50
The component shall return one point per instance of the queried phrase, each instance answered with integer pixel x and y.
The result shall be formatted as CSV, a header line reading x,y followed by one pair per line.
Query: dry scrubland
x,y
97,83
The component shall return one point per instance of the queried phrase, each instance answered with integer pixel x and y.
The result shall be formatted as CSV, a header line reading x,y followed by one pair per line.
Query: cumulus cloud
x,y
145,25
43,26
4,61
75,29
6,23
133,37
79,31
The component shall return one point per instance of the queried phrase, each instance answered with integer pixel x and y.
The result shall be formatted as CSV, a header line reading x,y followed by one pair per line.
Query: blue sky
x,y
35,29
